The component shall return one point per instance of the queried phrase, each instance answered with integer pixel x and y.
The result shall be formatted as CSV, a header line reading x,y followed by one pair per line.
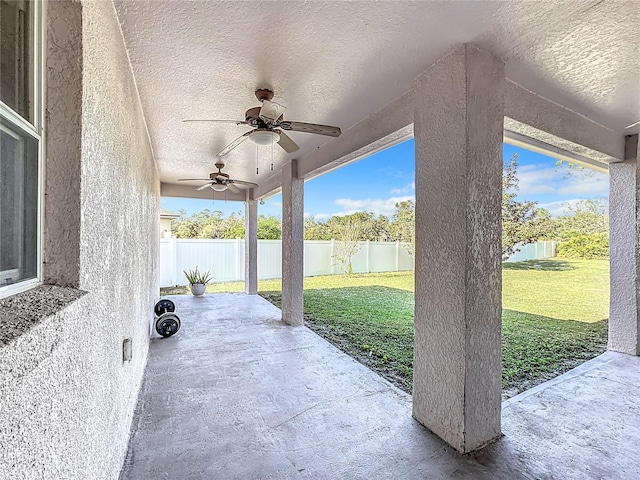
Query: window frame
x,y
34,129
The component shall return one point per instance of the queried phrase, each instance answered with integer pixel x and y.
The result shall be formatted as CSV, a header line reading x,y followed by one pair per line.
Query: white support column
x,y
292,244
624,251
250,245
458,128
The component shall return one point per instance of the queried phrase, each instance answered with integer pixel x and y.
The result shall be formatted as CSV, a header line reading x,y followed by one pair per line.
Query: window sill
x,y
20,312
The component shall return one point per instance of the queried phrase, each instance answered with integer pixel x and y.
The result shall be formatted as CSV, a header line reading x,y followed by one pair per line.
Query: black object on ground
x,y
167,323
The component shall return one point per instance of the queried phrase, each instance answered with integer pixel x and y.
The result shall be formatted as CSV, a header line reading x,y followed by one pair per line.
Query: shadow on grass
x,y
543,265
536,348
374,325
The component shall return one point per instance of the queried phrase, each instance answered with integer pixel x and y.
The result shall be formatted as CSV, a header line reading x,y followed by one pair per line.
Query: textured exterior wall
x,y
624,218
67,397
457,359
61,250
292,244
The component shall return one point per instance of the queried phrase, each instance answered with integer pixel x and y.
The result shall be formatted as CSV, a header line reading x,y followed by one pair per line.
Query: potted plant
x,y
198,281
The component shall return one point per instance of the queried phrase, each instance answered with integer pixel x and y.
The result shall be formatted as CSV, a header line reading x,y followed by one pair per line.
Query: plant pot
x,y
197,289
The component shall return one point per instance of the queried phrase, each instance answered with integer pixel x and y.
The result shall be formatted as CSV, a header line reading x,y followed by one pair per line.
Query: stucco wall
x,y
458,138
623,223
67,414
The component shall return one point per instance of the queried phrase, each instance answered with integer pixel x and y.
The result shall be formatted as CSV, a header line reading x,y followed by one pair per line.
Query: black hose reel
x,y
167,323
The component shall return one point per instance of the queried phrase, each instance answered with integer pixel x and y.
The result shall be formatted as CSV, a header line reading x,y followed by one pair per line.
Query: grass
x,y
554,317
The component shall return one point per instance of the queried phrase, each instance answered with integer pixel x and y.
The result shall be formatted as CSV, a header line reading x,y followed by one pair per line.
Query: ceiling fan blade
x,y
234,144
237,122
232,187
206,185
633,124
286,142
243,183
271,111
311,128
194,179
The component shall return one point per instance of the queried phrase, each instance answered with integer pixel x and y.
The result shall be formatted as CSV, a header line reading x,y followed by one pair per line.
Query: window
x,y
20,147
16,56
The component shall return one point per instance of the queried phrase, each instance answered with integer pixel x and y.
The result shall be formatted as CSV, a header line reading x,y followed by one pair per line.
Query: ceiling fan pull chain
x,y
257,172
272,157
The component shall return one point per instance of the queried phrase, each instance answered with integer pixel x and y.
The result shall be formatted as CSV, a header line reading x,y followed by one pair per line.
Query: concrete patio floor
x,y
237,394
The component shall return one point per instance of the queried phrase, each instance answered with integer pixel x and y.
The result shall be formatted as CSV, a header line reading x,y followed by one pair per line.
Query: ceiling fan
x,y
268,124
220,181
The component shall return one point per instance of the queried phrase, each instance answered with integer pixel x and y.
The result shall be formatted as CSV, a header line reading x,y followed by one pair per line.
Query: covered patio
x,y
238,394
122,102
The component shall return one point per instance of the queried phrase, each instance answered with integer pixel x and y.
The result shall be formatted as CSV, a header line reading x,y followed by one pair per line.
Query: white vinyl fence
x,y
225,258
533,251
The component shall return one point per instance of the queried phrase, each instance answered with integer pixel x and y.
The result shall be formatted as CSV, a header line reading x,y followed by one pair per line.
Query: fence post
x,y
397,255
238,260
333,252
367,250
173,260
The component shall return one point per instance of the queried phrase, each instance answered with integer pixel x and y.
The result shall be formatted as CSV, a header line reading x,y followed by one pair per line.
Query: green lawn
x,y
554,318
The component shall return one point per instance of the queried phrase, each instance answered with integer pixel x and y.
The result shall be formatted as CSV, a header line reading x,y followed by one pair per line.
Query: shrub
x,y
588,247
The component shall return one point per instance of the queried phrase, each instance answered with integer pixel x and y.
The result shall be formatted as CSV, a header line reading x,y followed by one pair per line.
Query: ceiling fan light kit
x,y
218,187
264,137
265,120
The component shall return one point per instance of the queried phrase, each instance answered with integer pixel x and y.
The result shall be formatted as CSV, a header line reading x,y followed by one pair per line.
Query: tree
x,y
269,227
234,226
522,222
205,224
586,217
316,230
403,226
349,231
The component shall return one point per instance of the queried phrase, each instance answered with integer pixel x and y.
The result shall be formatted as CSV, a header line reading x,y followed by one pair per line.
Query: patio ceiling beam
x,y
538,146
530,115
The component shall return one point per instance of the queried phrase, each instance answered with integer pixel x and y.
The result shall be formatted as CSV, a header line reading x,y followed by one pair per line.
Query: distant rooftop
x,y
167,214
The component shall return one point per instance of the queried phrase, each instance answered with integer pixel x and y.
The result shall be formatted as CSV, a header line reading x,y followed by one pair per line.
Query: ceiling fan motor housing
x,y
253,114
264,94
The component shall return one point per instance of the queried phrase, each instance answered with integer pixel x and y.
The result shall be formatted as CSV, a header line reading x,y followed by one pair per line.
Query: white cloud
x,y
275,204
317,216
410,187
595,185
538,179
559,208
376,205
534,180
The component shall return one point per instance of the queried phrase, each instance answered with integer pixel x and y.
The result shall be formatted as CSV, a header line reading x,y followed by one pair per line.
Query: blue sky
x,y
377,182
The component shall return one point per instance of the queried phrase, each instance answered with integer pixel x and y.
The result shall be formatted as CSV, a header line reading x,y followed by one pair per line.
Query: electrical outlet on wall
x,y
127,351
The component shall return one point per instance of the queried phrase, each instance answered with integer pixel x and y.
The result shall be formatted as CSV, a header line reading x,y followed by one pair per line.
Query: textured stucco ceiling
x,y
338,62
